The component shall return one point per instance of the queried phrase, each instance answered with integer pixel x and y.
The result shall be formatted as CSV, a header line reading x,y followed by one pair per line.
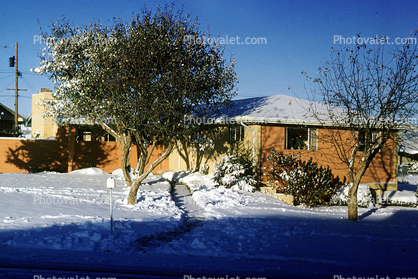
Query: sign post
x,y
111,183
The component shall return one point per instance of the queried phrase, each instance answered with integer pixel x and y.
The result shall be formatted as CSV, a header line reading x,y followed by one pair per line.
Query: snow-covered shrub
x,y
233,172
364,196
307,182
414,167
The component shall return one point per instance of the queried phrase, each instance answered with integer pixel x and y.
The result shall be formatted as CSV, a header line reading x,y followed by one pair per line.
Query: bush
x,y
233,172
364,196
309,184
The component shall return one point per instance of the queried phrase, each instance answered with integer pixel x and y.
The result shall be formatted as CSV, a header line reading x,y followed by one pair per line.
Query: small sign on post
x,y
111,183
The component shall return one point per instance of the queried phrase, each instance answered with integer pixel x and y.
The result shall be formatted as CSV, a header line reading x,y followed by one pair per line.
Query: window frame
x,y
311,141
82,133
234,136
106,137
362,145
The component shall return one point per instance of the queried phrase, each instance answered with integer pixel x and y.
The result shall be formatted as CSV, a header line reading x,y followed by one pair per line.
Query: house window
x,y
106,137
301,138
84,134
236,133
362,139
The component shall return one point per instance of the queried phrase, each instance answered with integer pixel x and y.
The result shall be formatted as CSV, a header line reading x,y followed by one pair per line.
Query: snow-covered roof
x,y
273,109
409,142
411,148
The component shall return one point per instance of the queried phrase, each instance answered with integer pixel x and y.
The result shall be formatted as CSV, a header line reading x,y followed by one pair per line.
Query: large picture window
x,y
301,138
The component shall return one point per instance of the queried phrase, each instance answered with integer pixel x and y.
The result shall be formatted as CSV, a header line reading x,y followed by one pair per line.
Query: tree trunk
x,y
135,185
132,194
352,201
126,164
352,192
185,156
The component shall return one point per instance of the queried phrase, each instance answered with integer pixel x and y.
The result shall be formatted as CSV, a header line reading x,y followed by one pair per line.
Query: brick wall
x,y
382,168
64,154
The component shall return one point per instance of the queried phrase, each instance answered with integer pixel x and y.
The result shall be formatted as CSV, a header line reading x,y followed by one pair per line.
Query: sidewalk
x,y
183,199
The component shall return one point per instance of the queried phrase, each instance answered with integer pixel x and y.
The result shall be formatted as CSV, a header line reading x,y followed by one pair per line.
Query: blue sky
x,y
297,35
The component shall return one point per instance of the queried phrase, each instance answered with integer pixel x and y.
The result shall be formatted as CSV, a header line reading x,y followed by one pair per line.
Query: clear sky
x,y
293,36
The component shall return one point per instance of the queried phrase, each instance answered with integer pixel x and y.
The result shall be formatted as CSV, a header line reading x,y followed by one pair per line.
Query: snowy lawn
x,y
72,211
251,233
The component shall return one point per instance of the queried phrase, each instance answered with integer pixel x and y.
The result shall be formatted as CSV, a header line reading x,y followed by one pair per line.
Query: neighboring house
x,y
254,126
7,120
42,127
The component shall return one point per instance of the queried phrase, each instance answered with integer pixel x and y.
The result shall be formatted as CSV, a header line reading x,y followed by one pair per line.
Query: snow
x,y
403,197
77,205
274,109
93,171
364,196
55,220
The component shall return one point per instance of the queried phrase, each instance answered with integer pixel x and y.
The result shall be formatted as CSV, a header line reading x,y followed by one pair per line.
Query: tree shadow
x,y
194,157
53,155
368,213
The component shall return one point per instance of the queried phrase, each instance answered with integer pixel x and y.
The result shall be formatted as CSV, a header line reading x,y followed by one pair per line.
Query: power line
x,y
6,87
14,95
7,77
21,105
28,84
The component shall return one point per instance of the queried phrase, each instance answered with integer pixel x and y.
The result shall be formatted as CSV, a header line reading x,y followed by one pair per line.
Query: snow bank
x,y
117,172
410,179
89,171
405,198
218,200
364,196
174,176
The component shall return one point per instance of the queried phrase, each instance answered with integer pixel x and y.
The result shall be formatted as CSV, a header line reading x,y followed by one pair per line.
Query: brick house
x,y
251,128
254,126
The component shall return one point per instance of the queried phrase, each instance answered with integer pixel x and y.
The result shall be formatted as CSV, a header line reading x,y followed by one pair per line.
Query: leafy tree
x,y
137,80
369,94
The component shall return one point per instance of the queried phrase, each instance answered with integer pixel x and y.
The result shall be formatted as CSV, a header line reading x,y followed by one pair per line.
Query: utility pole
x,y
16,89
16,96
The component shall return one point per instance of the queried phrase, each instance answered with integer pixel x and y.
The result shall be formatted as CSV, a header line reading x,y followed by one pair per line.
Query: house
x,y
252,127
7,120
249,129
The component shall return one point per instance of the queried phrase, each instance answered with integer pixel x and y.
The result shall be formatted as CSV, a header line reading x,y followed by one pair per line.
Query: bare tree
x,y
138,80
369,94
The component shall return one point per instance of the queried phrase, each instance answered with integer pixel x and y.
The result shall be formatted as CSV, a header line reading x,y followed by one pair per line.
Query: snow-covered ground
x,y
62,221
